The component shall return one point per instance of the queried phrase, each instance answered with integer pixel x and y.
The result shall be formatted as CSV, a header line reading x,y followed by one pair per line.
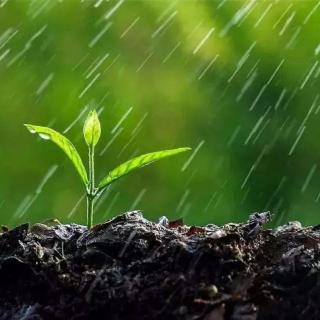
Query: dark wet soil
x,y
131,268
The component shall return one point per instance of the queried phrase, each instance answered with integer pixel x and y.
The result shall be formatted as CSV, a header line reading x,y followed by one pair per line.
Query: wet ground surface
x,y
131,268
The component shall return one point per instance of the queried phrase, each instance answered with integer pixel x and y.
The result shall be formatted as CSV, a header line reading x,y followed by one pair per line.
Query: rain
x,y
236,81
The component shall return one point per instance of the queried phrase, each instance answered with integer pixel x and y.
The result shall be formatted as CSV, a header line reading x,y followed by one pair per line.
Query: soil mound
x,y
131,268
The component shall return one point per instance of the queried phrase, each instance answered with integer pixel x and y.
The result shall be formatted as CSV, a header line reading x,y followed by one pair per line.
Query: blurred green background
x,y
238,81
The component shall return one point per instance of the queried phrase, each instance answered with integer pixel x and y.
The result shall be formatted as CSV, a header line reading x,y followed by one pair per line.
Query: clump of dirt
x,y
131,268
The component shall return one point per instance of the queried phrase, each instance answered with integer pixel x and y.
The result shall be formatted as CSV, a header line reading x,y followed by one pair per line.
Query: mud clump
x,y
131,268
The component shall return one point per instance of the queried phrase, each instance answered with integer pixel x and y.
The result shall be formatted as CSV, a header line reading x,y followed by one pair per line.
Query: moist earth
x,y
132,268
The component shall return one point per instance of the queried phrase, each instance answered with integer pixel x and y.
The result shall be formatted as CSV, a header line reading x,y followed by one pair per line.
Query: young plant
x,y
92,132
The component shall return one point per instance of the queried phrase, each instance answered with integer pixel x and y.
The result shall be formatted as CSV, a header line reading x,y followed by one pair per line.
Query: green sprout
x,y
92,133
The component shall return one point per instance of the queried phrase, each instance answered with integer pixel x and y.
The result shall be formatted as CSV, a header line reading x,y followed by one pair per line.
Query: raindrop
x,y
263,15
208,67
137,127
98,3
247,85
115,128
283,14
183,200
112,203
31,198
261,131
309,177
99,63
313,10
100,34
309,75
255,165
77,119
7,36
89,85
114,9
264,87
138,199
74,209
296,141
47,176
44,136
238,16
31,130
27,46
202,42
294,37
4,54
196,150
210,201
221,4
44,84
233,136
276,192
257,125
245,196
144,61
280,99
287,23
242,60
111,141
164,24
129,27
309,112
171,52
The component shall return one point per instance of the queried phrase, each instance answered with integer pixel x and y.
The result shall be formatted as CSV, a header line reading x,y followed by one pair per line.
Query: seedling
x,y
92,132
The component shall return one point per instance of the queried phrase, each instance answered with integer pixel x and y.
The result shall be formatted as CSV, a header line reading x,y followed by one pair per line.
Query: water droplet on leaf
x,y
44,136
31,130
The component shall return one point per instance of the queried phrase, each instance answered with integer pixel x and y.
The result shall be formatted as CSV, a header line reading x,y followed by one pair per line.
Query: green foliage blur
x,y
238,81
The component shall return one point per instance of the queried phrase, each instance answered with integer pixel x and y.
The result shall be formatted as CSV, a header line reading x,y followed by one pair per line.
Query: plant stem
x,y
89,211
91,188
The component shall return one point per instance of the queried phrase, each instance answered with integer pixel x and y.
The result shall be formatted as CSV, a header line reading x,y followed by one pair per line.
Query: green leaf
x,y
61,141
136,163
92,129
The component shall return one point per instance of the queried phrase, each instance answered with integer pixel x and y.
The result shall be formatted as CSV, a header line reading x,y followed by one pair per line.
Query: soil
x,y
131,268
